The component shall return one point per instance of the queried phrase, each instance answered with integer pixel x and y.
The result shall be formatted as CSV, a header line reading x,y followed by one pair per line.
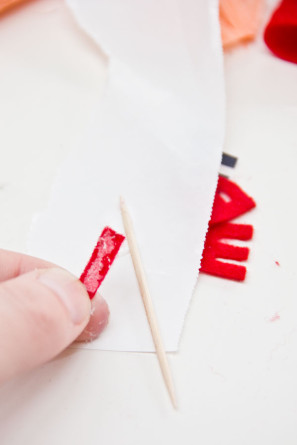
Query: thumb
x,y
41,313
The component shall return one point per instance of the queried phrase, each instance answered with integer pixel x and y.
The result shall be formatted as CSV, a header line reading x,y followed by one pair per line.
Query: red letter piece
x,y
214,249
239,202
230,201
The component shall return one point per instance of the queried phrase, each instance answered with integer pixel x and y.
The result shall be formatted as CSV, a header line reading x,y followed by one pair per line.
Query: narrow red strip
x,y
102,258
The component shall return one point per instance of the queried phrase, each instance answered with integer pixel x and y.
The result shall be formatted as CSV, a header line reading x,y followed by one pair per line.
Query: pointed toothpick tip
x,y
174,401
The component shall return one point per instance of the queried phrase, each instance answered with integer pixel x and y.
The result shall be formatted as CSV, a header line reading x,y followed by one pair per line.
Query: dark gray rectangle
x,y
228,160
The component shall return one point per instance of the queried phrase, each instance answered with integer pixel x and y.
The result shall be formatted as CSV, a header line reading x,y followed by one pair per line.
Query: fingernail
x,y
98,320
101,315
70,291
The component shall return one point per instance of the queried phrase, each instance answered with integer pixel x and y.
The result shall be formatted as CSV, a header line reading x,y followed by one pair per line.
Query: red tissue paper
x,y
102,258
281,32
230,201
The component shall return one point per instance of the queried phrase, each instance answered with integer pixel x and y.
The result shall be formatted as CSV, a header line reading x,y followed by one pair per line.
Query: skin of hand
x,y
43,309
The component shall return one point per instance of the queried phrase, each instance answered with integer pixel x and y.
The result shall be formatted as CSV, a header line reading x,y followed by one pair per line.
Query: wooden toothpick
x,y
147,301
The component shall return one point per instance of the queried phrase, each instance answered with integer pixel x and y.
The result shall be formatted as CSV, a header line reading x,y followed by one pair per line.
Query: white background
x,y
156,142
236,370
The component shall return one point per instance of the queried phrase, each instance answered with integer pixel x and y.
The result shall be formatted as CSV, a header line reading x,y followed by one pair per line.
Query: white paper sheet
x,y
156,139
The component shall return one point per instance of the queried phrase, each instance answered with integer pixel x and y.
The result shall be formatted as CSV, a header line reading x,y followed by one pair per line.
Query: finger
x,y
41,313
98,320
13,264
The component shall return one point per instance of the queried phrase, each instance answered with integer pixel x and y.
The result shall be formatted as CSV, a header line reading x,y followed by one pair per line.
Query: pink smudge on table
x,y
275,317
277,263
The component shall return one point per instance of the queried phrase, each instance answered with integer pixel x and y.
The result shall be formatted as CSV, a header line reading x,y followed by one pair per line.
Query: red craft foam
x,y
220,269
215,249
281,32
242,232
238,204
102,258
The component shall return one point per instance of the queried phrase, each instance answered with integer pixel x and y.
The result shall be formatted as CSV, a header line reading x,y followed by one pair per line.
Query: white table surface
x,y
236,369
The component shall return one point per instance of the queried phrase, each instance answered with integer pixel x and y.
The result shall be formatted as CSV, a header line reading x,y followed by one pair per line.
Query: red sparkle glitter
x,y
275,317
102,258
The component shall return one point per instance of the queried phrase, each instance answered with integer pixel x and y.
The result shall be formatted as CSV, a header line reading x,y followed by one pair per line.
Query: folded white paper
x,y
156,139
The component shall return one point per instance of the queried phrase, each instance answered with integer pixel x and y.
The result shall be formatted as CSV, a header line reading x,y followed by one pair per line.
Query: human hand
x,y
43,309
